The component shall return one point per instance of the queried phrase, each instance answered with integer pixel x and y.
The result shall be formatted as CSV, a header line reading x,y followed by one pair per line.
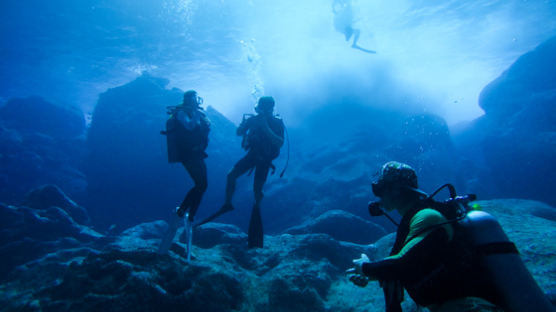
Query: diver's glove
x,y
355,274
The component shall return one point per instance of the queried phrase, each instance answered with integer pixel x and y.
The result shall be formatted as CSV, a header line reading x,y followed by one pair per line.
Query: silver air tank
x,y
515,285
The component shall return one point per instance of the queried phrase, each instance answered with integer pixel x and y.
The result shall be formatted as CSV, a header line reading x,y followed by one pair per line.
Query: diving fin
x,y
363,49
168,238
223,210
255,236
189,233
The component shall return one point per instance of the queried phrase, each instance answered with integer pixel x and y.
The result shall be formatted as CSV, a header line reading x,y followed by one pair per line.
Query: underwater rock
x,y
526,90
283,276
47,224
336,171
286,296
142,236
36,115
27,234
321,246
212,234
302,272
51,195
513,146
142,281
342,226
40,143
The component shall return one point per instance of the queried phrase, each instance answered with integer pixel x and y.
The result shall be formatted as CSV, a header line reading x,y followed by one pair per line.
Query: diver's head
x,y
396,186
191,99
265,105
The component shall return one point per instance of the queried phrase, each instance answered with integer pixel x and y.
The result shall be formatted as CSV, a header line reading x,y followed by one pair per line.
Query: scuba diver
x,y
186,133
445,252
263,136
343,22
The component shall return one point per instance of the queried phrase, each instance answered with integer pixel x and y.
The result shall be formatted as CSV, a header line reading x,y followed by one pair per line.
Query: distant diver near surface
x,y
448,255
263,136
343,22
186,133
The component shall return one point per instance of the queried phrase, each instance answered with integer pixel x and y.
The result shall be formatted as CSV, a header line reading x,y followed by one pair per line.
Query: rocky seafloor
x,y
53,261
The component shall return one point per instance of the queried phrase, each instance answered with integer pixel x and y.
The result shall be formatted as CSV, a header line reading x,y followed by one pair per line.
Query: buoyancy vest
x,y
255,139
186,134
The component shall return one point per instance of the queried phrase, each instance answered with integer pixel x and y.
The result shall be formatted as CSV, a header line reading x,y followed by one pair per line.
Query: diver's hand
x,y
355,274
359,263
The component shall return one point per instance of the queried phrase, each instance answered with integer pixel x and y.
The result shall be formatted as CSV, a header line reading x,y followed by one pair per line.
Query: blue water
x,y
463,91
440,54
430,59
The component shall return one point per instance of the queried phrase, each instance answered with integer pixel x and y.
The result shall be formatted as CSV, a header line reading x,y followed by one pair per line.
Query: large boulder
x,y
40,143
129,178
523,95
342,226
36,115
142,281
48,225
512,147
51,195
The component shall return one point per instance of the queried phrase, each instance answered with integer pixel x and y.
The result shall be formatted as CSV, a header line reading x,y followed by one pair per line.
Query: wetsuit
x,y
260,152
343,17
192,131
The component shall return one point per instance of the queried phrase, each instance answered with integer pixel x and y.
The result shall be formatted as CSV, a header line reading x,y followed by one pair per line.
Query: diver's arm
x,y
422,248
244,126
205,129
274,138
401,267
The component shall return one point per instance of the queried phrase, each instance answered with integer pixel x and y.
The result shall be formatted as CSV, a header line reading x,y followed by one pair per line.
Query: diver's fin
x,y
189,233
223,210
255,235
363,49
168,238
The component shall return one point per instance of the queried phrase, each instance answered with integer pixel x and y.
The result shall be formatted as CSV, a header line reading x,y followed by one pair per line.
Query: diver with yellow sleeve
x,y
446,255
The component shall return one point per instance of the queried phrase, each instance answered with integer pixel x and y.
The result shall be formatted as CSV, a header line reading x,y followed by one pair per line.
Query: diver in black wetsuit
x,y
187,135
343,22
263,136
441,261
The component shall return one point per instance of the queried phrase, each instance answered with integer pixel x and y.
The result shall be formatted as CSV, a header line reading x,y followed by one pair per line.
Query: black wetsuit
x,y
260,152
193,143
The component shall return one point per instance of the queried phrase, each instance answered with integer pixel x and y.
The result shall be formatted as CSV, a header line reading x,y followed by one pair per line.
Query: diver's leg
x,y
241,167
255,235
186,203
198,171
261,173
255,238
356,33
348,32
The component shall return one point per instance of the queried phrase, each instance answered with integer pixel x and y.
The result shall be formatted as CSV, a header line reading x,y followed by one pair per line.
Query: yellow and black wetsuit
x,y
419,247
430,263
